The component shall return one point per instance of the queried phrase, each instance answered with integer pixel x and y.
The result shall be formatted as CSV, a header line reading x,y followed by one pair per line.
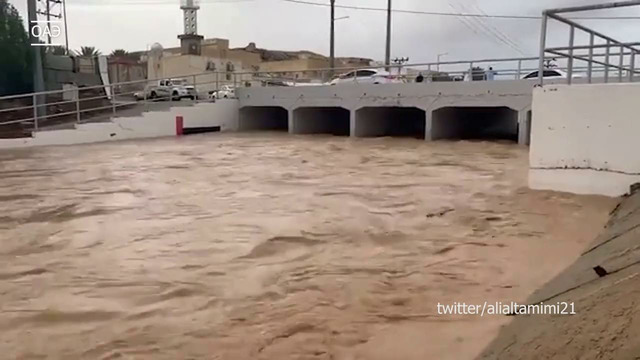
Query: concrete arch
x,y
373,121
274,118
475,122
321,120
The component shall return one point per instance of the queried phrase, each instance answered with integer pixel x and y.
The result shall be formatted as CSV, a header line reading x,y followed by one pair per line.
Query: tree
x,y
16,55
120,53
88,51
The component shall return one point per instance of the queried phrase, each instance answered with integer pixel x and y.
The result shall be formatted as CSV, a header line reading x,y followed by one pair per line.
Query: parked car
x,y
165,89
366,76
225,92
274,83
191,90
551,74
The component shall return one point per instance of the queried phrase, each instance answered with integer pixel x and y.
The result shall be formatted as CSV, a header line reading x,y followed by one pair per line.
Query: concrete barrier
x,y
222,115
585,138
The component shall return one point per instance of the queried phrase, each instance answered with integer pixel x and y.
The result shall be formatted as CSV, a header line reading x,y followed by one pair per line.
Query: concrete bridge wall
x,y
222,114
585,138
366,103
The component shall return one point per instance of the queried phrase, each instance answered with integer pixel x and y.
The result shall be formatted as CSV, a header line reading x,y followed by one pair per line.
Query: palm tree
x,y
120,53
88,51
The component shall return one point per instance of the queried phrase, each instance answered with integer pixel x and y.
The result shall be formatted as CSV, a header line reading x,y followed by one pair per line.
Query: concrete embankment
x,y
604,284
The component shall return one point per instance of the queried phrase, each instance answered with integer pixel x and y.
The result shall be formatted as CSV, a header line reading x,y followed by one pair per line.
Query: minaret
x,y
190,41
190,9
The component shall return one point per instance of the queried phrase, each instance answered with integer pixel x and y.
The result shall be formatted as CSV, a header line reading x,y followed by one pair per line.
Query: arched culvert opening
x,y
488,123
390,121
274,118
321,120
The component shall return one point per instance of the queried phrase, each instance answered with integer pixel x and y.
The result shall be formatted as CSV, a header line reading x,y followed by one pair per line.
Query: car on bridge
x,y
367,76
551,74
173,89
225,92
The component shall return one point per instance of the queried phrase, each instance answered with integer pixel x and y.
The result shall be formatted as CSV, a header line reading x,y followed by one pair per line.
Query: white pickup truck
x,y
225,92
168,89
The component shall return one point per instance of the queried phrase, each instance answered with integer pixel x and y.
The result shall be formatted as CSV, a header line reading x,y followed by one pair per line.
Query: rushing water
x,y
269,246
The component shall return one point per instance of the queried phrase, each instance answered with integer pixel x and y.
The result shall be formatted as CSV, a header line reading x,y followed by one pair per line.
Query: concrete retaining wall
x,y
146,125
603,287
585,138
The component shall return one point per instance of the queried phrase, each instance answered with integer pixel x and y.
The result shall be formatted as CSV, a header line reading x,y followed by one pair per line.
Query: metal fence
x,y
22,114
600,53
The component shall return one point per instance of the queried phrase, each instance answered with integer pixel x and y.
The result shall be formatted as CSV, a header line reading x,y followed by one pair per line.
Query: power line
x,y
469,15
149,2
481,27
513,42
352,7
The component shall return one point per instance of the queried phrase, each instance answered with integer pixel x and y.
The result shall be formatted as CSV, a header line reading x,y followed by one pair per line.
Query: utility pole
x,y
48,6
332,39
38,78
387,59
439,56
66,32
48,13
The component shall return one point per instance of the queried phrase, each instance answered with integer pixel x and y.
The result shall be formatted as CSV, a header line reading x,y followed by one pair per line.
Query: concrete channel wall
x,y
199,117
585,138
440,110
601,288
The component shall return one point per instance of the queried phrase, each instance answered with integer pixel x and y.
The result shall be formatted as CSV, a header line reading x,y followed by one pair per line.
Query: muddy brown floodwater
x,y
269,246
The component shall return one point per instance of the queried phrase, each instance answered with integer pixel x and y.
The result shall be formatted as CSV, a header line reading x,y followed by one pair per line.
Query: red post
x,y
179,125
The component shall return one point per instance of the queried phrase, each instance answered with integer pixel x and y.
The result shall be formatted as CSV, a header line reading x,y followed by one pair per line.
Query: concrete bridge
x,y
432,111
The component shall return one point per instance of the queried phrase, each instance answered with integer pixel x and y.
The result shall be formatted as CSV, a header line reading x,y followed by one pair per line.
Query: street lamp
x,y
439,56
387,58
332,54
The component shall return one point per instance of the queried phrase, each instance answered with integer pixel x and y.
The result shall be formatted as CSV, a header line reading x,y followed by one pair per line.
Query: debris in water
x,y
439,213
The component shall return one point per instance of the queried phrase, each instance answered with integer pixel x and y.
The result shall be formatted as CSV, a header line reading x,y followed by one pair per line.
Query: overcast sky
x,y
277,24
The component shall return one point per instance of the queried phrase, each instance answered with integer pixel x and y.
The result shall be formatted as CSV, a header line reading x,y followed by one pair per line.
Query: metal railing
x,y
21,114
32,112
624,52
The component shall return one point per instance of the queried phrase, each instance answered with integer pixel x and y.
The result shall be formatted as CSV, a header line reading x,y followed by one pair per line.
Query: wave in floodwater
x,y
269,246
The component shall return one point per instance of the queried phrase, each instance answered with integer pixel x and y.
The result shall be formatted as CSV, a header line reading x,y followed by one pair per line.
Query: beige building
x,y
298,69
205,72
124,69
216,56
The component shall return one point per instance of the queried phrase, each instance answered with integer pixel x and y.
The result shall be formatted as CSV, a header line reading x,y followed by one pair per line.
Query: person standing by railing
x,y
491,74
